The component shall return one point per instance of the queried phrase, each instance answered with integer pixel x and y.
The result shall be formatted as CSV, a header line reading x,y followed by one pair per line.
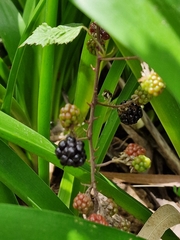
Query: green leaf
x,y
16,132
145,28
85,80
66,187
11,26
6,195
26,223
25,183
45,35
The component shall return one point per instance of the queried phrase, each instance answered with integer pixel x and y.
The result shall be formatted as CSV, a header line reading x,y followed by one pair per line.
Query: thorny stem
x,y
90,129
93,104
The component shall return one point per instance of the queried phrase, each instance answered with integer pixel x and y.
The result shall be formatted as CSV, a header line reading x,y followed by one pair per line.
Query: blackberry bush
x,y
71,152
69,116
129,112
83,203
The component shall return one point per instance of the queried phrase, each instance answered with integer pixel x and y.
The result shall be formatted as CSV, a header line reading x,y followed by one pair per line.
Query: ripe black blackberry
x,y
129,112
71,152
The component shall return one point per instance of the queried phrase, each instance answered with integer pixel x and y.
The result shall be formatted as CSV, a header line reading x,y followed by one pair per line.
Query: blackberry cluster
x,y
133,149
83,203
92,45
129,112
71,152
94,217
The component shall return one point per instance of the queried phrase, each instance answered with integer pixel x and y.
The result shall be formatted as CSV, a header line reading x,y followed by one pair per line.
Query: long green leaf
x,y
85,80
25,183
26,223
45,89
11,24
6,106
6,195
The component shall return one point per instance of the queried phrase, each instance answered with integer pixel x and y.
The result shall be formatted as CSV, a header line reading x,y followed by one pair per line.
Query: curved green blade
x,y
26,223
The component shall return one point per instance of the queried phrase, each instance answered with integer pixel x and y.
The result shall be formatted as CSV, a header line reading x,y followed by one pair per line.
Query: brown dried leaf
x,y
165,217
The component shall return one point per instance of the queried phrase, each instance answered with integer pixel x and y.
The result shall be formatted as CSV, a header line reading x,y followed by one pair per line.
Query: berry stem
x,y
90,130
119,58
96,40
118,106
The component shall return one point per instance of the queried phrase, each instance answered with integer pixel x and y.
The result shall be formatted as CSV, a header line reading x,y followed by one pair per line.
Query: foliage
x,y
33,82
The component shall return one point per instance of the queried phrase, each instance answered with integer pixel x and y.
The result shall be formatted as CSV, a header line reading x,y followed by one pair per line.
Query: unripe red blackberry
x,y
129,112
93,30
134,149
93,47
83,203
153,84
69,116
141,163
71,152
143,96
94,217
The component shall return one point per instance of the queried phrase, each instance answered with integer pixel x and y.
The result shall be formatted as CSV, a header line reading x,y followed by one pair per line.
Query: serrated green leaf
x,y
45,35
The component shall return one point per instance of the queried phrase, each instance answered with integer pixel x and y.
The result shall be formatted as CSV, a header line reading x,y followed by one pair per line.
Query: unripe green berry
x,y
153,84
93,47
141,163
143,96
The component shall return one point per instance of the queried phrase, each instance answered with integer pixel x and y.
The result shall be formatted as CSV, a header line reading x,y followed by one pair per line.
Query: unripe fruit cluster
x,y
69,116
133,149
141,163
93,30
153,84
94,217
92,45
143,96
83,203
